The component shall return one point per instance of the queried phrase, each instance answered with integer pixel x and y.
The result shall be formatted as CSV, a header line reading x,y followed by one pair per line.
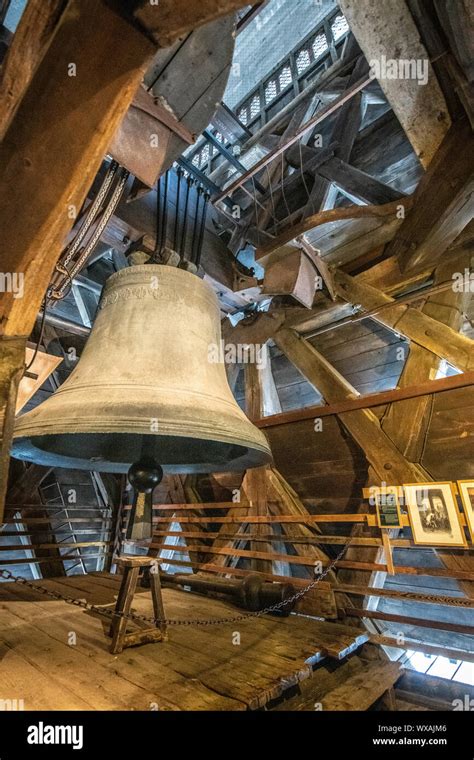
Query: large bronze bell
x,y
146,386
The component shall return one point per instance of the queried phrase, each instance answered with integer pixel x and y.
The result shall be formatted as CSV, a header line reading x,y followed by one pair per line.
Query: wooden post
x,y
421,328
443,203
255,481
363,425
12,364
421,365
387,551
388,30
37,24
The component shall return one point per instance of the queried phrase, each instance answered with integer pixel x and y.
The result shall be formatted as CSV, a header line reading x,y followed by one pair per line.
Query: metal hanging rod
x,y
310,124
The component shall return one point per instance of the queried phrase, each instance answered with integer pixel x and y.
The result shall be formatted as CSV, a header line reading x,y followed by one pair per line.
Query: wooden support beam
x,y
438,338
419,646
443,203
316,85
254,484
345,130
250,15
312,158
387,550
23,490
386,32
287,502
386,211
31,37
46,560
63,545
350,565
439,625
167,20
407,596
12,365
300,518
389,464
421,365
441,385
357,184
456,20
310,539
274,195
361,691
107,73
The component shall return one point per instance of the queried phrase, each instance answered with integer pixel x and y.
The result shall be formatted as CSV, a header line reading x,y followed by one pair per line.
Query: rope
x,y
40,338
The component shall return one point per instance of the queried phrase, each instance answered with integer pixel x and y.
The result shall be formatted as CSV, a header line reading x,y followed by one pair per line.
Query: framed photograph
x,y
387,504
466,491
434,514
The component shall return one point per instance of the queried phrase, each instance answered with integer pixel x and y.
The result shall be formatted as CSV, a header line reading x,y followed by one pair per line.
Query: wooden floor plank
x,y
363,689
322,681
200,667
62,665
138,668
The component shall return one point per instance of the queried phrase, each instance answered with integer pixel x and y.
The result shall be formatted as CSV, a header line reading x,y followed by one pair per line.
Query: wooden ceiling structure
x,y
359,236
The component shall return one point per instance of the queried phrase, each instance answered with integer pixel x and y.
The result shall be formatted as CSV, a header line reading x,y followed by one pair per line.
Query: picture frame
x,y
387,504
466,492
434,516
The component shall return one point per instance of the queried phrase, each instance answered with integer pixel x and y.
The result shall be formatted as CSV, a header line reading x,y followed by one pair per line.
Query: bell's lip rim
x,y
168,429
25,448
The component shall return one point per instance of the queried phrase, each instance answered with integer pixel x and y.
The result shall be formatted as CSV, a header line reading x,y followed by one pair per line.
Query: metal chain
x,y
167,621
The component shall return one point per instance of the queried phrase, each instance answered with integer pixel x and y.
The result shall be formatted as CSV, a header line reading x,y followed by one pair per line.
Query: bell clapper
x,y
143,476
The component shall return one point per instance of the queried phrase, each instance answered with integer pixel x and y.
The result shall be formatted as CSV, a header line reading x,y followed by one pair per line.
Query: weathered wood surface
x,y
107,75
407,596
414,620
163,122
408,392
168,20
360,691
311,540
462,575
418,326
362,424
12,358
34,31
419,646
384,212
355,685
197,669
389,30
442,204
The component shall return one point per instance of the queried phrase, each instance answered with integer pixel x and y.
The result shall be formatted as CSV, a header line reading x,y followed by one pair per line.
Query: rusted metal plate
x,y
177,101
